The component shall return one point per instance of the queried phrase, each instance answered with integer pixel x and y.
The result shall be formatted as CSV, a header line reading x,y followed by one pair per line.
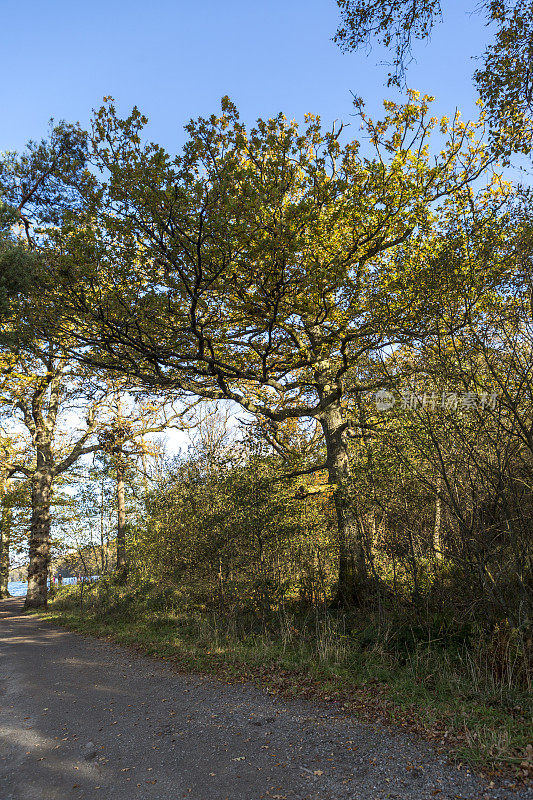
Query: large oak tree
x,y
269,267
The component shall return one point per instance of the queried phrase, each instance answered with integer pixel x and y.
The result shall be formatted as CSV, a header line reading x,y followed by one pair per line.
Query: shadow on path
x,y
81,718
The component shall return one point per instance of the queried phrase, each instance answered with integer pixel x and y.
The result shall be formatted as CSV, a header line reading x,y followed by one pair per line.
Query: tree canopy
x,y
270,267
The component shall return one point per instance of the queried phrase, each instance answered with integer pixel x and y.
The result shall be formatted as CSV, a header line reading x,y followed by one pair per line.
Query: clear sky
x,y
175,59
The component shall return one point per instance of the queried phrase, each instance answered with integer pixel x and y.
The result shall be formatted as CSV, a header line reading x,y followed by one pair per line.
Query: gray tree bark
x,y
39,550
352,560
437,537
122,567
5,536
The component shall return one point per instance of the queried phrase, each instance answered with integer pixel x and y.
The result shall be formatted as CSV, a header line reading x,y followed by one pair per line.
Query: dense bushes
x,y
220,522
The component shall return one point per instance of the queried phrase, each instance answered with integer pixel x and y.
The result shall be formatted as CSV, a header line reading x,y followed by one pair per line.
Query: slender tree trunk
x,y
5,540
352,562
39,551
437,540
104,546
122,567
5,536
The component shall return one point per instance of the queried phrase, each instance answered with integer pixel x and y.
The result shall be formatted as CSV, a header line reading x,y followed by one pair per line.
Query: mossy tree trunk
x,y
40,542
122,566
352,561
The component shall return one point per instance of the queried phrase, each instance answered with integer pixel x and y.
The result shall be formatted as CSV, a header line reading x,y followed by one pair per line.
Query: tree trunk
x,y
437,540
352,562
39,539
5,540
5,536
122,567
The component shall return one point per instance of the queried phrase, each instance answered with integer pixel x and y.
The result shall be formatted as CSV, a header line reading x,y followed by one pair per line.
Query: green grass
x,y
435,679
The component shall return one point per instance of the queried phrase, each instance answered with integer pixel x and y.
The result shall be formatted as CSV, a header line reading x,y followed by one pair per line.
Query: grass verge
x,y
436,684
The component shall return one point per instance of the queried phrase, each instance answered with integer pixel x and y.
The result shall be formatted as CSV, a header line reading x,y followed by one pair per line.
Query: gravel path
x,y
81,718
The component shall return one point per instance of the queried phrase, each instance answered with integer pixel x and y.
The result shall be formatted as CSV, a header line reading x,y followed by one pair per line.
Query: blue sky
x,y
175,59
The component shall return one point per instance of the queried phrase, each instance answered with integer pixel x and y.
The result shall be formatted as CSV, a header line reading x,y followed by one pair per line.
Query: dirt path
x,y
80,718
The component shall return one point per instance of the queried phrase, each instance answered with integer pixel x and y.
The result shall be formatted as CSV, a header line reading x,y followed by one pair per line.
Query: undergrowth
x,y
465,688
